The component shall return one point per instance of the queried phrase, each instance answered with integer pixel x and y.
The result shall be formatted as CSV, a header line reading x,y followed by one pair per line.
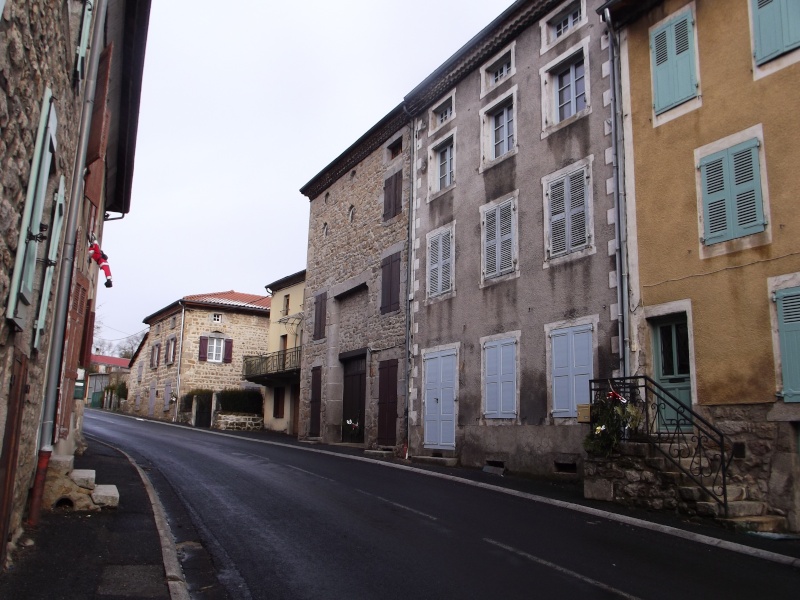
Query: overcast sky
x,y
240,108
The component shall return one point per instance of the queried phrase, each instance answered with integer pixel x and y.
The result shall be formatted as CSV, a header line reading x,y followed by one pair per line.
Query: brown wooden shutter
x,y
390,283
387,402
320,308
316,402
73,340
392,195
93,182
278,397
88,336
203,348
227,356
398,192
101,118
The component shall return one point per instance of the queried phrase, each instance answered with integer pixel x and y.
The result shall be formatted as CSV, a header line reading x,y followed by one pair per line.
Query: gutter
x,y
409,263
180,355
62,300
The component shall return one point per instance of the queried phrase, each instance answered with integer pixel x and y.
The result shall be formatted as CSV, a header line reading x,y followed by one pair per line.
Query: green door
x,y
672,371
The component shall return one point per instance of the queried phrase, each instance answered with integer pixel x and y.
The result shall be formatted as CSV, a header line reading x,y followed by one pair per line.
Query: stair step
x,y
61,464
106,495
746,508
84,478
764,523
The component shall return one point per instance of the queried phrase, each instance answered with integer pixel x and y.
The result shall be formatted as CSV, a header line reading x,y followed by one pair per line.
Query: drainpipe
x,y
409,272
180,354
55,358
620,227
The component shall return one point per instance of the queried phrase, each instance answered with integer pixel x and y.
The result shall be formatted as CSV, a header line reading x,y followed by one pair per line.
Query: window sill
x,y
488,164
571,256
440,297
747,242
677,111
551,129
487,282
434,195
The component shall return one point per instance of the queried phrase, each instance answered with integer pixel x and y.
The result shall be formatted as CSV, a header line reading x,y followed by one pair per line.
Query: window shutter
x,y
158,354
390,283
52,254
716,220
746,186
789,333
434,267
791,24
490,243
278,397
320,306
227,357
88,336
500,379
203,348
672,52
578,237
506,237
572,368
101,117
776,25
445,263
392,195
492,379
558,218
83,45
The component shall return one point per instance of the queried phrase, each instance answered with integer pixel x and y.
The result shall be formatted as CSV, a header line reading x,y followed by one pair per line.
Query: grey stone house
x,y
60,183
514,279
352,377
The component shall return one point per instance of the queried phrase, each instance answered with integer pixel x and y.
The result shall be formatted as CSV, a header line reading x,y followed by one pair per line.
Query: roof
x,y
114,361
230,300
285,282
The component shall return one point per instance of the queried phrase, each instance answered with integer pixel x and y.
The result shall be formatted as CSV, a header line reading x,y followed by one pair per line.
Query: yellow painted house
x,y
279,369
709,95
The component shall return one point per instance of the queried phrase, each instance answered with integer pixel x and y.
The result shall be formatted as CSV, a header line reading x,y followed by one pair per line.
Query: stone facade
x,y
158,371
238,422
351,237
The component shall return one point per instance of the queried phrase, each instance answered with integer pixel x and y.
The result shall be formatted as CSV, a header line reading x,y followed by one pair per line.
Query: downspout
x,y
620,227
55,358
409,273
180,355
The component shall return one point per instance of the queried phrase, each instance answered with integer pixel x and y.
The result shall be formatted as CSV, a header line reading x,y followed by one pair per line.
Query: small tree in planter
x,y
613,419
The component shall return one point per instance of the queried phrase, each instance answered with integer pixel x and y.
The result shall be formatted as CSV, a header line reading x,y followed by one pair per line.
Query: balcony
x,y
273,366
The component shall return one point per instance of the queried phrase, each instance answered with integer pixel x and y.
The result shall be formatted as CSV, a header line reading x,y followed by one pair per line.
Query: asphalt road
x,y
289,522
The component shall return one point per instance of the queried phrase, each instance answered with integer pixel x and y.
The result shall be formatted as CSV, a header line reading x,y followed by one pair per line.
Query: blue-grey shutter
x,y
578,237
50,266
558,218
490,243
568,231
789,333
83,45
732,200
572,368
434,268
672,50
505,235
433,383
445,263
500,379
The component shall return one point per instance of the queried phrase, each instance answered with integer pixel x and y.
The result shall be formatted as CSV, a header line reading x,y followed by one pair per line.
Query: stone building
x,y
355,294
59,183
197,342
279,369
711,185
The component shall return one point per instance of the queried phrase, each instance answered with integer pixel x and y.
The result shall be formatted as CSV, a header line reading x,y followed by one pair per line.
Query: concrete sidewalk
x,y
129,551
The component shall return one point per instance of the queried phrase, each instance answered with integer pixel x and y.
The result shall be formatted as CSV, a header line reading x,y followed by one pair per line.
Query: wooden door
x,y
354,398
387,402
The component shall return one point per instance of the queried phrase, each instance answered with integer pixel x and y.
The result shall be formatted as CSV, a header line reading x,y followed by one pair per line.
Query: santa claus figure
x,y
98,256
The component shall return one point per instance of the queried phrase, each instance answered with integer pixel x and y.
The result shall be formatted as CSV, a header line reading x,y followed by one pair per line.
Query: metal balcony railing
x,y
273,363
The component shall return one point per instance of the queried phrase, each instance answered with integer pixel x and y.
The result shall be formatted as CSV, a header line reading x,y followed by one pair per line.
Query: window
x,y
503,131
442,113
571,90
139,371
446,169
440,261
776,28
320,306
392,196
672,50
785,293
169,355
217,318
568,211
395,149
561,22
571,365
731,193
567,21
278,401
499,239
390,283
215,348
285,309
172,322
158,328
500,378
499,69
155,355
83,45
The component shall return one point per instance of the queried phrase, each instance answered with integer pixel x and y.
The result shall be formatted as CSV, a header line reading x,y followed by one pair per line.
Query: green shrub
x,y
247,401
203,399
121,389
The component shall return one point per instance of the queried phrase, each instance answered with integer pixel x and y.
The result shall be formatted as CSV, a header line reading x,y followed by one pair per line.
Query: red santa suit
x,y
101,259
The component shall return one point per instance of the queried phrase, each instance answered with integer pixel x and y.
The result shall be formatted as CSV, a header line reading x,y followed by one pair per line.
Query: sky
x,y
242,107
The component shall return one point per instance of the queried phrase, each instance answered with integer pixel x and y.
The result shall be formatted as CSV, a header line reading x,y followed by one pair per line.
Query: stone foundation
x,y
238,422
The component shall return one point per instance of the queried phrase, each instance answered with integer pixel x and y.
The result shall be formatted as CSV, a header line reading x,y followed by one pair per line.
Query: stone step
x,y
746,508
61,464
106,496
763,523
435,460
85,478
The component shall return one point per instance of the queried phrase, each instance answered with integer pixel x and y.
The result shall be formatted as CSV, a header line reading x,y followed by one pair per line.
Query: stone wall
x,y
37,50
239,422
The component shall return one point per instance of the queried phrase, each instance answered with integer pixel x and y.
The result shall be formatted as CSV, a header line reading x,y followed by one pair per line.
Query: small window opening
x,y
565,467
396,148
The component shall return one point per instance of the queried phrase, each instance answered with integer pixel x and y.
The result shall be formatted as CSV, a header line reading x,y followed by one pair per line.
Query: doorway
x,y
354,397
672,365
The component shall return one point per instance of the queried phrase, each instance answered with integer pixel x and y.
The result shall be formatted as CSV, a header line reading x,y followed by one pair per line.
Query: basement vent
x,y
565,467
496,467
739,450
437,455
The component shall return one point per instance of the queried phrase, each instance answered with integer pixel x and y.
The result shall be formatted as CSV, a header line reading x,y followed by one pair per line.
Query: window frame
x,y
751,240
170,350
217,340
434,176
777,288
547,24
495,207
584,165
762,57
489,82
440,292
548,75
434,123
155,355
487,115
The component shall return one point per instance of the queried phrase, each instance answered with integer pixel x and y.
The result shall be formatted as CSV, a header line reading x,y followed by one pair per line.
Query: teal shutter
x,y
572,368
568,230
776,25
789,333
21,288
50,266
500,379
83,45
732,199
672,51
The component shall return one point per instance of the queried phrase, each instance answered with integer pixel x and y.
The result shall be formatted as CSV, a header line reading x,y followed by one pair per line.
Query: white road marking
x,y
309,473
560,569
402,506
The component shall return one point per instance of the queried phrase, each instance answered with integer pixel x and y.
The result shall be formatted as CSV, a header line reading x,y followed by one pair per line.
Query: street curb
x,y
172,566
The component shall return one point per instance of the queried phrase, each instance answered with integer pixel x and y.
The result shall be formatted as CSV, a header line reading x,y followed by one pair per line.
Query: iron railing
x,y
272,363
685,438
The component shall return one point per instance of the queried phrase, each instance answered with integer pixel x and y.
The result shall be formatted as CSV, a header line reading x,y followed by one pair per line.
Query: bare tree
x,y
127,346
